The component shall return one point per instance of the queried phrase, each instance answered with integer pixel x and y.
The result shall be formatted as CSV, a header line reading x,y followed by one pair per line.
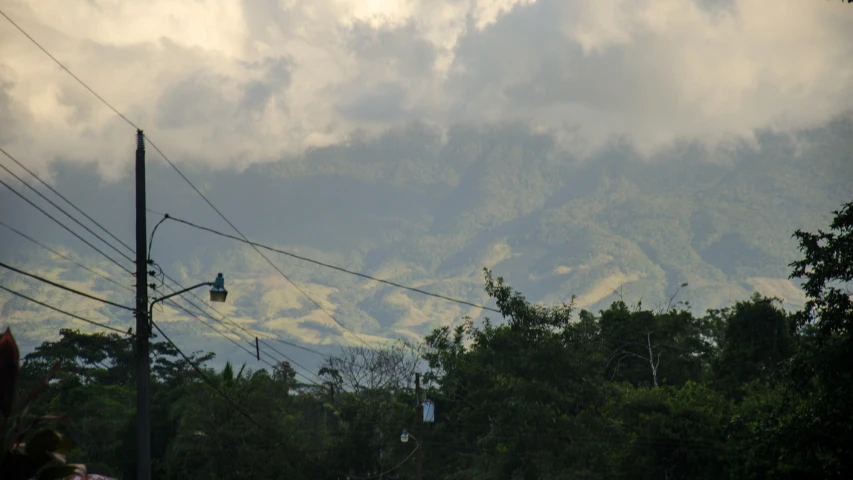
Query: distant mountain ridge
x,y
412,209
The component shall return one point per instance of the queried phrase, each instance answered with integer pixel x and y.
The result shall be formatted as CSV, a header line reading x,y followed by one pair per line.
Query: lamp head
x,y
218,292
405,436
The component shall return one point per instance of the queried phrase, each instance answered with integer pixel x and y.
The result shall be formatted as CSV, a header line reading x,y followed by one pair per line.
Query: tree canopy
x,y
747,391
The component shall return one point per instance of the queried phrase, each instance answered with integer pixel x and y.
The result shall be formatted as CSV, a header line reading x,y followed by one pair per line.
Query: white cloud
x,y
230,83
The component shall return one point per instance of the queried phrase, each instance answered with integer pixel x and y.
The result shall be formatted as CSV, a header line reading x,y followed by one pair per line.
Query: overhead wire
x,y
207,379
35,190
69,202
270,262
66,288
151,238
242,347
197,191
296,345
78,317
204,313
181,174
69,72
333,267
185,310
65,257
72,232
252,334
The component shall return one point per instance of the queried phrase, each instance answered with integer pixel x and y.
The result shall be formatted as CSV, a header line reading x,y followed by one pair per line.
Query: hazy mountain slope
x,y
420,210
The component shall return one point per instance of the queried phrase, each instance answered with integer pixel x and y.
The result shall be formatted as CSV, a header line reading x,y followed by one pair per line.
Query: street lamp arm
x,y
166,297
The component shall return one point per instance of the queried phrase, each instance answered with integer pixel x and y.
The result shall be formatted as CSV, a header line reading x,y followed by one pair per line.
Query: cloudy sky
x,y
230,83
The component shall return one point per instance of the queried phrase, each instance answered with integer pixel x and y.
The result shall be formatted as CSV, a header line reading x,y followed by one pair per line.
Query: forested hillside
x,y
540,392
431,212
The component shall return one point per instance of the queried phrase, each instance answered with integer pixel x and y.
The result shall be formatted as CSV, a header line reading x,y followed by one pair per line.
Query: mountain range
x,y
431,210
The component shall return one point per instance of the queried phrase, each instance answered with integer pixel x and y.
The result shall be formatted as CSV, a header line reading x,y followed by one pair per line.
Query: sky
x,y
230,84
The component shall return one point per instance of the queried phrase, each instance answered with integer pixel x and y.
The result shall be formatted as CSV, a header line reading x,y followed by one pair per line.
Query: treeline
x,y
749,391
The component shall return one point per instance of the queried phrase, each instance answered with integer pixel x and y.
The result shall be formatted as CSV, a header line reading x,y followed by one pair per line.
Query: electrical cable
x,y
81,82
203,312
237,325
207,379
334,267
242,347
156,148
296,345
72,232
181,174
66,313
68,289
151,238
132,124
69,202
66,258
221,215
35,190
180,307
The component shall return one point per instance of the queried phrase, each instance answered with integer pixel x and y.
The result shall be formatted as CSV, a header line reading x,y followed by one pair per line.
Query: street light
x,y
218,292
405,436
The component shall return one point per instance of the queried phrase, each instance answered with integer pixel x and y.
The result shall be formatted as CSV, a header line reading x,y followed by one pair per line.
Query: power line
x,y
333,267
200,309
68,289
221,215
66,313
184,177
60,208
237,325
203,312
72,232
222,334
251,334
69,202
294,362
296,345
151,238
237,343
180,307
81,82
181,174
207,379
68,259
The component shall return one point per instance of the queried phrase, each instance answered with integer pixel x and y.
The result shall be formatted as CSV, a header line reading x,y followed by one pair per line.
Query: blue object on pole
x,y
429,411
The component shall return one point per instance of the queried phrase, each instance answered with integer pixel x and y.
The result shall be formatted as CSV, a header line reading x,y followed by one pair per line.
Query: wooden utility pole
x,y
143,422
420,423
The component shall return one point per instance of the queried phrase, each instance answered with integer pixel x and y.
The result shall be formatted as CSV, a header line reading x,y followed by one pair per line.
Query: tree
x,y
756,338
821,380
516,394
362,370
652,348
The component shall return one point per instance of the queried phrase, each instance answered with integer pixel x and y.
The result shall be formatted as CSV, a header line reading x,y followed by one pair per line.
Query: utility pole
x,y
143,407
420,424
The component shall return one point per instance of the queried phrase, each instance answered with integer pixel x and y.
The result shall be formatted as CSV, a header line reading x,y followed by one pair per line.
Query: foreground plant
x,y
28,452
